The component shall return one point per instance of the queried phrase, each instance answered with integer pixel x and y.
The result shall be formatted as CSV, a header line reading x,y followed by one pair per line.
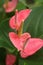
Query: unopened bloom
x,y
10,5
18,18
10,59
25,44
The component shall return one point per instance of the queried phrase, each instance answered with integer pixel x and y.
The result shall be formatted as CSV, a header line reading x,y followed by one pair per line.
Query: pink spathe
x,y
10,6
17,41
31,47
10,59
25,44
18,18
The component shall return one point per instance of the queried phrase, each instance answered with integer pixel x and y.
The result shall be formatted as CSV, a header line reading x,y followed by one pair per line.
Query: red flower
x,y
25,44
18,18
10,59
10,5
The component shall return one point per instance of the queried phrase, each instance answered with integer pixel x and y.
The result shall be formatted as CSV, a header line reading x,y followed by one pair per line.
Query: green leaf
x,y
4,39
20,6
1,3
34,23
32,3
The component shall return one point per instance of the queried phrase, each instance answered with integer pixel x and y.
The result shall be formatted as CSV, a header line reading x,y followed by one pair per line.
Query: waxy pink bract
x,y
17,41
18,18
25,44
10,59
32,46
10,6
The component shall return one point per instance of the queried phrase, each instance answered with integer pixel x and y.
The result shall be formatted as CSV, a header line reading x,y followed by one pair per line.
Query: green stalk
x,y
17,59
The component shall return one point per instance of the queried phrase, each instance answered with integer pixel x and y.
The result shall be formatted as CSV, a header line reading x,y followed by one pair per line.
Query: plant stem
x,y
2,56
17,60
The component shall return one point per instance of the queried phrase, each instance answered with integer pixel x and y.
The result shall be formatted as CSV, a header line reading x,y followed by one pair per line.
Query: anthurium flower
x,y
17,41
10,59
9,6
25,44
18,18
